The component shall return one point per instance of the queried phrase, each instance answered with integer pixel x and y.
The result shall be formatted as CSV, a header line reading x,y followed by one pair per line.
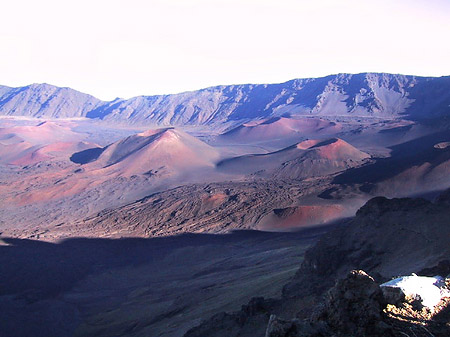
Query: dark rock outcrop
x,y
356,307
295,328
251,320
353,307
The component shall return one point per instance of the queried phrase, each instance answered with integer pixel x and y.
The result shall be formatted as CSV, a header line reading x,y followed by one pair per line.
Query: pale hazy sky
x,y
112,48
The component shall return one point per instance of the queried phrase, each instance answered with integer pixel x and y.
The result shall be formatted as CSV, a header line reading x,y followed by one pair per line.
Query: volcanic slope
x,y
100,178
279,128
306,159
417,166
151,151
25,145
42,133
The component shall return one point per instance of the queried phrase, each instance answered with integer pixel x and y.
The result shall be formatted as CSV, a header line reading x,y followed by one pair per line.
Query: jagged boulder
x,y
355,306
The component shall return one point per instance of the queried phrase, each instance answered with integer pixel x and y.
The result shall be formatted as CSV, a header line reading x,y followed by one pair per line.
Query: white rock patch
x,y
430,289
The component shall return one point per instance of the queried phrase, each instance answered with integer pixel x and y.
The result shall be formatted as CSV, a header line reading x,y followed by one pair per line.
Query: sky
x,y
118,48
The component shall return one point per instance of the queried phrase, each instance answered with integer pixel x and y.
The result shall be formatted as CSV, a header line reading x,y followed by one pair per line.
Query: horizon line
x,y
219,85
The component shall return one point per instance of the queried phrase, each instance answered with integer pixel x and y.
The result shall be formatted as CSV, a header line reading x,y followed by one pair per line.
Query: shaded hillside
x,y
387,238
138,287
366,94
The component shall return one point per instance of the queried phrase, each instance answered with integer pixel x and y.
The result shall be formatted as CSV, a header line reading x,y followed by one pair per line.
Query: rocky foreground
x,y
387,238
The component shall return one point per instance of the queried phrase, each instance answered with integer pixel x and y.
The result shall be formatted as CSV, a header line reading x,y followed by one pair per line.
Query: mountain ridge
x,y
354,95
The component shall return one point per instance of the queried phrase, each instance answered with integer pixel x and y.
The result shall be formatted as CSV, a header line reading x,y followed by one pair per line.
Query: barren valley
x,y
121,217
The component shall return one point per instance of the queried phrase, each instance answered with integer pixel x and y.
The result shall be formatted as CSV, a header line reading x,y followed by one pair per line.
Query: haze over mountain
x,y
360,95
